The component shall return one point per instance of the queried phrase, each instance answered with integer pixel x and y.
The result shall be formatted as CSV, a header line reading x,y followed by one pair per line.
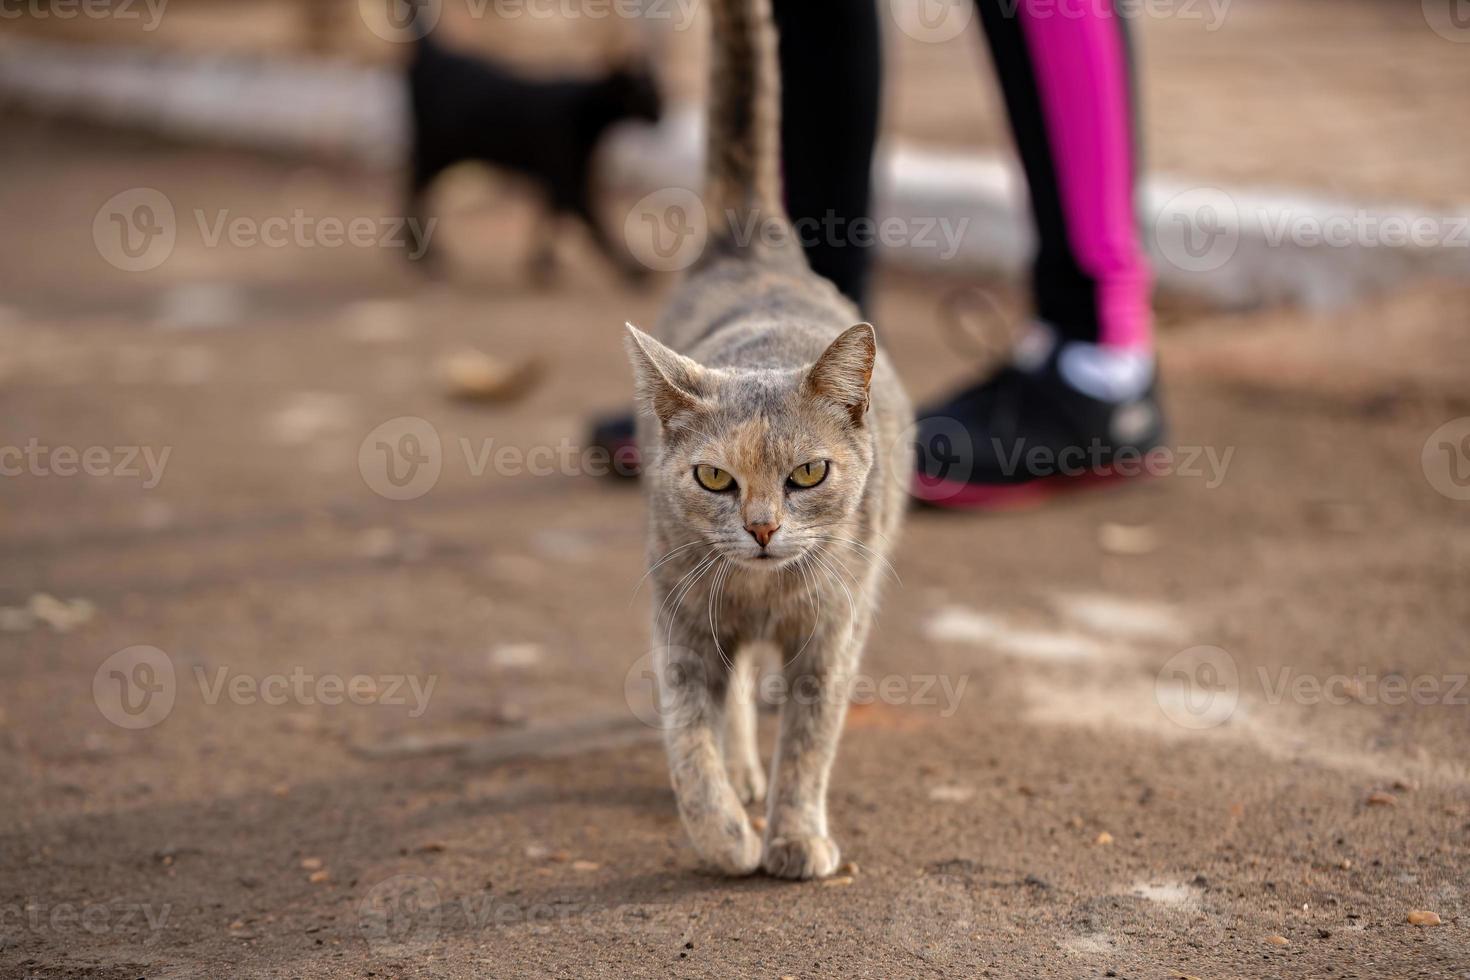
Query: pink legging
x,y
1065,70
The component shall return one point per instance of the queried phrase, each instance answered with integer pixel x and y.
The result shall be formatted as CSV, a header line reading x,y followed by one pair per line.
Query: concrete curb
x,y
1230,247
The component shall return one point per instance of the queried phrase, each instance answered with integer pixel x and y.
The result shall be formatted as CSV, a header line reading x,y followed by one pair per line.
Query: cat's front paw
x,y
801,857
733,849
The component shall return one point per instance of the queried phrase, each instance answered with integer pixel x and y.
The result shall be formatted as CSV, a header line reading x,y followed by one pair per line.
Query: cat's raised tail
x,y
743,179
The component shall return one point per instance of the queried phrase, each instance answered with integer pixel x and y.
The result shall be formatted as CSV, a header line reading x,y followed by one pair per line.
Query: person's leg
x,y
1065,69
831,80
1077,404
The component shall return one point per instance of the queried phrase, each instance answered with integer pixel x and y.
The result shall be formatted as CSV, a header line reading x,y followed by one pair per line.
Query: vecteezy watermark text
x,y
303,230
149,11
937,21
1201,687
662,705
668,230
125,462
137,230
94,918
1193,462
406,914
300,687
947,453
1364,686
406,21
1200,229
137,688
403,458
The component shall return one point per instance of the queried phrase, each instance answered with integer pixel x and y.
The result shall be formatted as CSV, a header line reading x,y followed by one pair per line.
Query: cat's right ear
x,y
668,383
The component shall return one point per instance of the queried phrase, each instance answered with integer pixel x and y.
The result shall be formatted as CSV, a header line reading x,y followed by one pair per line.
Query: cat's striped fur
x,y
760,367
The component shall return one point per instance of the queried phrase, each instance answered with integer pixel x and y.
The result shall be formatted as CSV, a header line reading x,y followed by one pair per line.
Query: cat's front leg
x,y
692,688
742,750
817,688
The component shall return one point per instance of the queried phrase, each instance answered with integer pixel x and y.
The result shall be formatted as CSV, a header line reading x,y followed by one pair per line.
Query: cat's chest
x,y
758,606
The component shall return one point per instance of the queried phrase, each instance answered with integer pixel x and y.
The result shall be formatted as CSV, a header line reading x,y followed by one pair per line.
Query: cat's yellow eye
x,y
713,478
808,475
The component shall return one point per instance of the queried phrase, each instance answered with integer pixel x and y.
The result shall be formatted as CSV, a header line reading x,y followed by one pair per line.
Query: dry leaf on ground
x,y
472,375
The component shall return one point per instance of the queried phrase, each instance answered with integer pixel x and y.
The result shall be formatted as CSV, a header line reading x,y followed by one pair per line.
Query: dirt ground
x,y
188,849
1211,724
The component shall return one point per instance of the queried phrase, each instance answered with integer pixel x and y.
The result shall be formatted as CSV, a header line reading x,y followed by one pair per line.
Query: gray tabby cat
x,y
776,478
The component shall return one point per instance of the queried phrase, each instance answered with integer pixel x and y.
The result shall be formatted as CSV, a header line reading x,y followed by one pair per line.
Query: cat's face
x,y
761,465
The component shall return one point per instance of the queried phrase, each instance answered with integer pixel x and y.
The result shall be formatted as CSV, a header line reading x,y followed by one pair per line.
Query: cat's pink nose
x,y
762,532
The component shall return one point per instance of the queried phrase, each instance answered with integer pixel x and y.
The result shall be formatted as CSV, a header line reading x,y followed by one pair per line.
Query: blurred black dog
x,y
467,108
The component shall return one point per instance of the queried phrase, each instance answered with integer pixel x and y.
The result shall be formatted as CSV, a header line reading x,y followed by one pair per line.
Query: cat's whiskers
x,y
833,559
814,599
865,552
858,584
716,593
699,566
699,573
820,556
849,522
667,557
682,579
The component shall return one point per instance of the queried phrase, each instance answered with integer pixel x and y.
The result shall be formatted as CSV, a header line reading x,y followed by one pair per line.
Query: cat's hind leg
x,y
742,748
692,690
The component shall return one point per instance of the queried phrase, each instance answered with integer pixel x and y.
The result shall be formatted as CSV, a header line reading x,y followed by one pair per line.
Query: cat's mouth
x,y
767,560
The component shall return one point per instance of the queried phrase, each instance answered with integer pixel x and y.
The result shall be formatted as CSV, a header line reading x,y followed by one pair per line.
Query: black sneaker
x,y
616,436
1023,435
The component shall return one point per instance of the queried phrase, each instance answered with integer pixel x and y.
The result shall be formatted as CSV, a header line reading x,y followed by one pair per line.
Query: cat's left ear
x,y
845,370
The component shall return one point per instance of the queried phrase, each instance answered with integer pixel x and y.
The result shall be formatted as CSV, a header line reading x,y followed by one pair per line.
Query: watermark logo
x,y
401,915
1199,229
135,688
138,687
1446,459
138,229
402,458
667,230
664,706
135,230
933,21
400,21
1198,688
1450,19
945,457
